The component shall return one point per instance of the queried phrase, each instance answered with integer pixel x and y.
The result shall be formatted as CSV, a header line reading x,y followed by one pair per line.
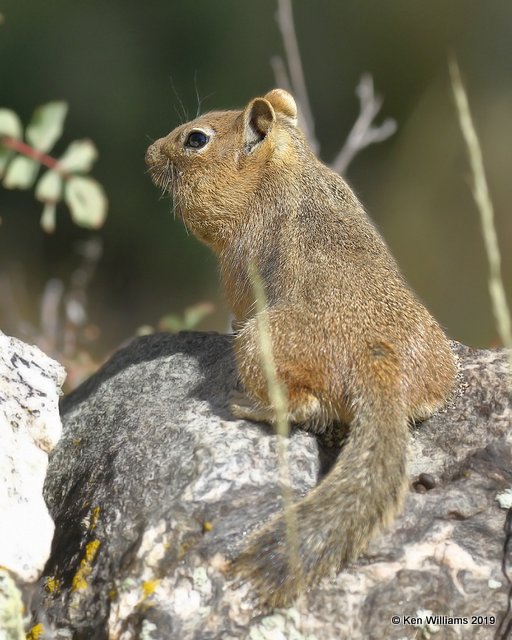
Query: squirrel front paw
x,y
245,408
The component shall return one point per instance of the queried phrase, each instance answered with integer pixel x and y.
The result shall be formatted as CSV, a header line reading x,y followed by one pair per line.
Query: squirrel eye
x,y
196,139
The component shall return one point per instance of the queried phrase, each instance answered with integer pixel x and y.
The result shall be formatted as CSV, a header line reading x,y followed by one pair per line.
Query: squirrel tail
x,y
337,519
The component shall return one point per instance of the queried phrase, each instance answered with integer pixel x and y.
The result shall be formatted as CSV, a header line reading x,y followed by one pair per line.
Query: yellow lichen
x,y
91,519
148,587
80,578
113,593
53,584
207,526
94,518
35,633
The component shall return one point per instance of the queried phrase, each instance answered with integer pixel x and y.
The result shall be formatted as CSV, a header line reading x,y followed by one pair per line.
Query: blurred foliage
x,y
20,162
190,319
132,72
186,321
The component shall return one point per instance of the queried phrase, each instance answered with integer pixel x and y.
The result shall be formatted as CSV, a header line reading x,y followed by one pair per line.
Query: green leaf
x,y
171,322
194,315
87,201
10,124
48,217
45,127
21,173
79,156
49,187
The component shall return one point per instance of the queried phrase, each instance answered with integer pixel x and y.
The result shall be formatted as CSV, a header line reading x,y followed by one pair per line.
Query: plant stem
x,y
485,208
278,398
28,151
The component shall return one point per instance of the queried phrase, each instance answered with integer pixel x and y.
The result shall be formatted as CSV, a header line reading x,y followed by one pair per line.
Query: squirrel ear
x,y
283,103
259,118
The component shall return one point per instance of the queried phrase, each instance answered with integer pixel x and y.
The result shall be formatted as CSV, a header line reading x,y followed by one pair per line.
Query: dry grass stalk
x,y
279,402
485,208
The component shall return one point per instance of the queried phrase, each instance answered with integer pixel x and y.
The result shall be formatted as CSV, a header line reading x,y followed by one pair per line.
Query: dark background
x,y
124,67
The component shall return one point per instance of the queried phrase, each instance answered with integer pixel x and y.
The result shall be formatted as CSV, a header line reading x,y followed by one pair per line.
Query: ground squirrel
x,y
352,344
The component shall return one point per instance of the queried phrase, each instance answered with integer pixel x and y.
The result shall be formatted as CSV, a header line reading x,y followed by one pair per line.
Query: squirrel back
x,y
351,342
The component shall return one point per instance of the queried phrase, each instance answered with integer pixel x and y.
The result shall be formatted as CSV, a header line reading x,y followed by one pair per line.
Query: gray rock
x,y
30,427
154,484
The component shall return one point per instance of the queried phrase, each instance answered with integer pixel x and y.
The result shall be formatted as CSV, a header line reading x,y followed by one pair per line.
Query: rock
x,y
154,484
30,427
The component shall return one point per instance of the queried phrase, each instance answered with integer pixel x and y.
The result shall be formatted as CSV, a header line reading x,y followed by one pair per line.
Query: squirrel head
x,y
214,165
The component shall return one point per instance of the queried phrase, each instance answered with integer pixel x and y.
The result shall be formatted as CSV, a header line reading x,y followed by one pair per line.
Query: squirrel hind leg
x,y
302,408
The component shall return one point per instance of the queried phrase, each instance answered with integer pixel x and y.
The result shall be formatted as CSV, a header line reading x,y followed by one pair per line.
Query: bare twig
x,y
364,133
485,208
63,318
50,313
8,306
280,73
26,150
297,82
75,300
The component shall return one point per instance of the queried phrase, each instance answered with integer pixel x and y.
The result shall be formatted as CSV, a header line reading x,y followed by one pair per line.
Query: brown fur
x,y
351,342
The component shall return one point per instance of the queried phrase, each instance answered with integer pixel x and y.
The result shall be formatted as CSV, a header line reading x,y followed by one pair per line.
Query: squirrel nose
x,y
154,153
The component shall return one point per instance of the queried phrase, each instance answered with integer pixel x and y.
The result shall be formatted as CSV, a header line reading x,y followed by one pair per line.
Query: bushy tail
x,y
337,519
